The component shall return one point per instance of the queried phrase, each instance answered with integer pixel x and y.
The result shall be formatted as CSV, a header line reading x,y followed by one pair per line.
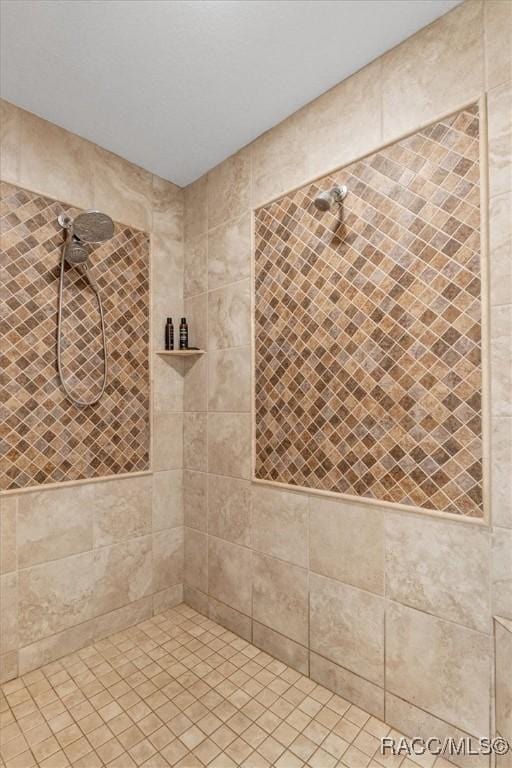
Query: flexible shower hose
x,y
69,395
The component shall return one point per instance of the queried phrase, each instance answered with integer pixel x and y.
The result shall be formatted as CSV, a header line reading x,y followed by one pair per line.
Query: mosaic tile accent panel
x,y
368,328
46,439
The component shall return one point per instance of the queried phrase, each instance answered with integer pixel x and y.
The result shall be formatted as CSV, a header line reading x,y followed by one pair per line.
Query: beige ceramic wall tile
x,y
167,267
229,443
122,574
229,252
8,507
196,559
452,45
501,360
196,599
439,666
121,509
280,597
196,311
167,441
55,162
501,482
347,543
195,499
167,499
122,618
504,680
504,761
229,188
10,118
195,394
196,208
9,612
280,524
168,558
8,666
500,245
229,379
280,647
229,509
55,523
412,720
499,105
356,689
498,41
279,162
168,379
229,316
502,573
195,441
345,122
230,618
121,189
168,598
49,649
229,574
168,208
439,567
196,265
166,301
49,601
347,626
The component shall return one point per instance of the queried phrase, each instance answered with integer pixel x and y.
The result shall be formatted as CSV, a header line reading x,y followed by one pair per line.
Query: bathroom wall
x,y
391,609
121,538
503,650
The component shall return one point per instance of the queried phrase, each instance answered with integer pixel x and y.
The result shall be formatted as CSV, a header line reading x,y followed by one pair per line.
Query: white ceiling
x,y
176,86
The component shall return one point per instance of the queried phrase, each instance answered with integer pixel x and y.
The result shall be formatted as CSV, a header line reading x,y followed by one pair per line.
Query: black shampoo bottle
x,y
183,333
169,334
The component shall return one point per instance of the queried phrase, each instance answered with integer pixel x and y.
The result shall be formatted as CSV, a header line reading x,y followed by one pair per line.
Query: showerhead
x,y
93,227
325,200
87,227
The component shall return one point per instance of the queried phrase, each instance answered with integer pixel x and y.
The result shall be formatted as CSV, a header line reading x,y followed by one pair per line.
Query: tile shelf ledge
x,y
180,352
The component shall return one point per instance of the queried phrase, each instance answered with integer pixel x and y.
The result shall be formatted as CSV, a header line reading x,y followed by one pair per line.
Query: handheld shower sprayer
x,y
324,201
87,227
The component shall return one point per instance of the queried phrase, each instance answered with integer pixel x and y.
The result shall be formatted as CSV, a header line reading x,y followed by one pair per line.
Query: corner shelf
x,y
180,352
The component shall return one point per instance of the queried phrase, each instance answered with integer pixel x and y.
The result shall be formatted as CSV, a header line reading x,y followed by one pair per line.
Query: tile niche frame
x,y
480,100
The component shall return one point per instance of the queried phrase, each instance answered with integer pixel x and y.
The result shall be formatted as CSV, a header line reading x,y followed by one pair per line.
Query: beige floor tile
x,y
131,737
174,752
123,761
142,751
354,758
45,748
179,690
78,749
289,760
322,759
57,760
303,747
271,749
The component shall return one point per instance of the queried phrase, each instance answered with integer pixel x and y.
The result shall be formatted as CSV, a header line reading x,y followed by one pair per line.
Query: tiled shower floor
x,y
179,690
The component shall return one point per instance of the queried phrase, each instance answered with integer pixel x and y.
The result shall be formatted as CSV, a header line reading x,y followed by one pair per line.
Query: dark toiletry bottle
x,y
183,333
169,334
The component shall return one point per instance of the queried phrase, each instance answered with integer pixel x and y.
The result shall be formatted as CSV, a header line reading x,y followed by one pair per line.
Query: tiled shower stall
x,y
388,587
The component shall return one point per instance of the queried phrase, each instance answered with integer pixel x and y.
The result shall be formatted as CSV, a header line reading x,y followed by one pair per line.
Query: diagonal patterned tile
x,y
368,332
46,438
